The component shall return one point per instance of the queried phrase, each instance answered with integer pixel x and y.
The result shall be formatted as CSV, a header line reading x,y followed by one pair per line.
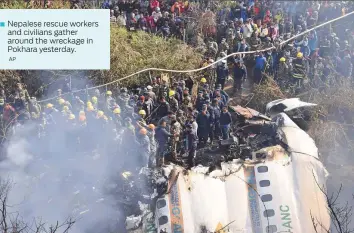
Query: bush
x,y
132,52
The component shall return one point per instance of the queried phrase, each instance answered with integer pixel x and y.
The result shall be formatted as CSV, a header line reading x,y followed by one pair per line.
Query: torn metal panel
x,y
248,113
285,105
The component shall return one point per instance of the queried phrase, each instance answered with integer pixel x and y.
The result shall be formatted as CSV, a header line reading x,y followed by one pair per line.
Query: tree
x,y
11,222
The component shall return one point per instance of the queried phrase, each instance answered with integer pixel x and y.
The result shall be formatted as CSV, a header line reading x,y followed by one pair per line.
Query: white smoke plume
x,y
52,182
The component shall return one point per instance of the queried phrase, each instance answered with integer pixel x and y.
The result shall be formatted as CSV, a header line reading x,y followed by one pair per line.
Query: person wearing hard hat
x,y
61,101
282,72
203,81
65,112
145,148
117,119
299,70
110,101
140,121
173,101
94,101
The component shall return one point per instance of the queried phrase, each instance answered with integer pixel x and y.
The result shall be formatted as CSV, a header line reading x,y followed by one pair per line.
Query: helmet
x,y
299,55
82,118
90,108
151,126
282,59
203,80
108,93
94,99
143,131
49,105
89,103
61,101
142,112
65,108
116,110
71,117
171,93
100,114
82,113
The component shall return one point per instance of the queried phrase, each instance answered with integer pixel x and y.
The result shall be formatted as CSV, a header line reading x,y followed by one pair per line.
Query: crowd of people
x,y
165,119
151,123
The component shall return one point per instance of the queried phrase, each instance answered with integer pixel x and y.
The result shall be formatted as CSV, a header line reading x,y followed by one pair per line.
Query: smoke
x,y
54,181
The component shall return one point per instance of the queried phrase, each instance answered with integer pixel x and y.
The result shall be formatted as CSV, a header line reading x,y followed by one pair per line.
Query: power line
x,y
202,68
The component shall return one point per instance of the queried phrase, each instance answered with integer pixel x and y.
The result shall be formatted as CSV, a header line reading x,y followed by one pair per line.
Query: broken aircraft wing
x,y
285,105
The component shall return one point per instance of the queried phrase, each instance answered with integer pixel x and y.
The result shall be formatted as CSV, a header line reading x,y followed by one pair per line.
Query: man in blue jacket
x,y
162,136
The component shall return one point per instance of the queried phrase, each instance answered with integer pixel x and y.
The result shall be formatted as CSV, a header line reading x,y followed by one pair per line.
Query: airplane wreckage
x,y
266,178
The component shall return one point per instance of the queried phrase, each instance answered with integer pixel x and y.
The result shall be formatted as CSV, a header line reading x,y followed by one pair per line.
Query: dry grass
x,y
332,122
131,52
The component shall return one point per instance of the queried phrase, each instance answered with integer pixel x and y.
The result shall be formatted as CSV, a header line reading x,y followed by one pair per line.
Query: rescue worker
x,y
117,117
173,101
145,148
299,70
151,135
282,76
190,144
162,137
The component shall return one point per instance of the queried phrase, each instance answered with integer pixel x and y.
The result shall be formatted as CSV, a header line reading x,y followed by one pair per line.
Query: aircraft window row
x,y
267,198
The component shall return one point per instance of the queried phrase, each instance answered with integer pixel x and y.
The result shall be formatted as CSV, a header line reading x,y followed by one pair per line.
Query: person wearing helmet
x,y
173,101
100,114
65,112
145,147
94,101
71,117
117,119
61,101
110,102
140,121
282,74
203,81
299,70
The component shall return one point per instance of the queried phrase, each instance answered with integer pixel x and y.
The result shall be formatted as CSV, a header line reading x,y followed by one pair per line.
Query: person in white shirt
x,y
247,30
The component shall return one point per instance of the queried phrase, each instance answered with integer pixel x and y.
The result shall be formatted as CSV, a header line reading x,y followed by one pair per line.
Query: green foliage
x,y
131,52
20,4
